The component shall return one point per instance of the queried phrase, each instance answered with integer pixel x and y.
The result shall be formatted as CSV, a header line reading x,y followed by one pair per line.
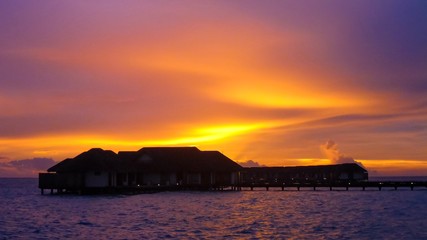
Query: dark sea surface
x,y
355,214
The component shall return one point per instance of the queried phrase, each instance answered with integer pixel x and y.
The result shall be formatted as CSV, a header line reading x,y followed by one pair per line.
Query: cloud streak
x,y
121,74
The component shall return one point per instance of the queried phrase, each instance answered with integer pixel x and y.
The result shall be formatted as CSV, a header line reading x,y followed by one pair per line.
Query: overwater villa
x,y
151,168
177,168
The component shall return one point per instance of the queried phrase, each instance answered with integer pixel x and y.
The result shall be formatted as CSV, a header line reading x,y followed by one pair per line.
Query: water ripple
x,y
25,214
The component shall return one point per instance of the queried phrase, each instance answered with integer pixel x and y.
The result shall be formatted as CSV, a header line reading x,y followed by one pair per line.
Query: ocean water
x,y
387,214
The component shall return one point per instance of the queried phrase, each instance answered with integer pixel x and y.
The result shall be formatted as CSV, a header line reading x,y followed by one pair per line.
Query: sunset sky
x,y
281,83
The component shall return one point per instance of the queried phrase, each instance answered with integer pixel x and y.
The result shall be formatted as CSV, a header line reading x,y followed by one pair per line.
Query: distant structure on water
x,y
178,168
347,172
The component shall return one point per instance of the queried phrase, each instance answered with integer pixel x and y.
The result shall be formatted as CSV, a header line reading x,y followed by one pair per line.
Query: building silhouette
x,y
178,168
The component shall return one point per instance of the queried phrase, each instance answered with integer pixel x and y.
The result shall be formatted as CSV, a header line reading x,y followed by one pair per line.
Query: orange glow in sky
x,y
264,81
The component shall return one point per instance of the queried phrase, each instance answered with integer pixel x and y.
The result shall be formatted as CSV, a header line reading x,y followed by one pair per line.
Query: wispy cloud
x,y
331,151
159,72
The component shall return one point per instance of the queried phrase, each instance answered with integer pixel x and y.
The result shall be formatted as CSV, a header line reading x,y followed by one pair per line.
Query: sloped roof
x,y
345,167
148,159
64,164
218,162
96,159
167,159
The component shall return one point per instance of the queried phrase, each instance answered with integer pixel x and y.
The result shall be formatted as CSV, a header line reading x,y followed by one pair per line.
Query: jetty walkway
x,y
293,186
376,185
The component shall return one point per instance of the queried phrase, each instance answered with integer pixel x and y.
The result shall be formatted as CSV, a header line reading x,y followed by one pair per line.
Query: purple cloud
x,y
250,163
25,167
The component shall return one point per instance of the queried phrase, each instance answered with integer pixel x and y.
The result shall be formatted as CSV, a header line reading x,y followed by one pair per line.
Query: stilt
x,y
298,188
363,188
42,190
346,188
51,191
330,188
314,188
379,188
283,188
252,188
266,188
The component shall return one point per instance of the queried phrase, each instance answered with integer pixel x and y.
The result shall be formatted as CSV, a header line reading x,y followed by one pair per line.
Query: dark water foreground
x,y
387,214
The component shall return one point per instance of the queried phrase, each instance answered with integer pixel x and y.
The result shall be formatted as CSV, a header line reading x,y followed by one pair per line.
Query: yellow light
x,y
60,144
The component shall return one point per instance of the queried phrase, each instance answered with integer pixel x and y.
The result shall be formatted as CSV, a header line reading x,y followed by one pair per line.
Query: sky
x,y
275,83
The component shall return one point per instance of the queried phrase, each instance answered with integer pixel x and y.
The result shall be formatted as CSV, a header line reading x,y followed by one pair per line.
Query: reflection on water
x,y
26,214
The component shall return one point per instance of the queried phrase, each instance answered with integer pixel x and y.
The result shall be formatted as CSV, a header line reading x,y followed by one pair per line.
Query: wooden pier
x,y
375,185
339,186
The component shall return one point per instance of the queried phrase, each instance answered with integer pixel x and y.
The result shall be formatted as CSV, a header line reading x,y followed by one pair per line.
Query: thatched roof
x,y
96,159
149,159
218,161
167,159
